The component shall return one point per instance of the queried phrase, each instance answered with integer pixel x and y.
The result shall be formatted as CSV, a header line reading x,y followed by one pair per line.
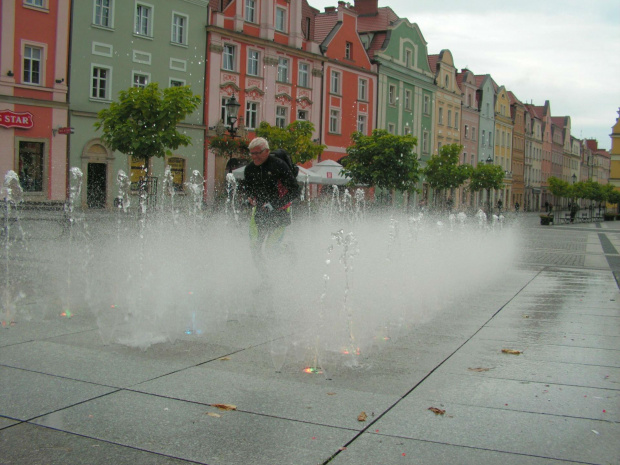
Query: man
x,y
270,187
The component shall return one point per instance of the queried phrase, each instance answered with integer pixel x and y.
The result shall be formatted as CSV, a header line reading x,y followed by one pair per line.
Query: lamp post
x,y
232,110
489,161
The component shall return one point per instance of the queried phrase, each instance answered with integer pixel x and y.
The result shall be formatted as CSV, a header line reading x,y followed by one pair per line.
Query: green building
x,y
116,45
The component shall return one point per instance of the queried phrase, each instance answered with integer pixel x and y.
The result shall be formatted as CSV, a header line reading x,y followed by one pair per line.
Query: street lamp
x,y
574,178
232,110
489,161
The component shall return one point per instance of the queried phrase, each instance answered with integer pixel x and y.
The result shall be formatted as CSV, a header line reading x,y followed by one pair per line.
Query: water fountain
x,y
360,280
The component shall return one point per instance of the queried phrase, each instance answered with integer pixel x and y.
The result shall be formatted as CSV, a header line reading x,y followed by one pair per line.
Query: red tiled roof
x,y
377,43
380,21
513,98
323,25
536,111
432,62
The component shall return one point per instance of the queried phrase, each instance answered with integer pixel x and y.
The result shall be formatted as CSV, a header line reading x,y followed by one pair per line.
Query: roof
x,y
432,62
323,25
536,111
513,98
377,43
380,21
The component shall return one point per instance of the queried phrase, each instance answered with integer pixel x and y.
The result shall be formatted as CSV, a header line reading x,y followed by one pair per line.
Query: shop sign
x,y
10,119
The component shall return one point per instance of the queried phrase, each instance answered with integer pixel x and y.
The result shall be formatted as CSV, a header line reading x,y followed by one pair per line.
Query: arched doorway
x,y
97,163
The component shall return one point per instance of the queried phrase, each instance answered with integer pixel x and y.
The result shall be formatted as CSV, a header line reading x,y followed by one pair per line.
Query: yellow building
x,y
503,142
614,174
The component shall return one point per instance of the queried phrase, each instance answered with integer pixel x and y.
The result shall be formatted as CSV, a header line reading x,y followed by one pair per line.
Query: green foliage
x,y
383,160
614,197
143,122
443,170
296,139
560,188
486,177
592,190
227,146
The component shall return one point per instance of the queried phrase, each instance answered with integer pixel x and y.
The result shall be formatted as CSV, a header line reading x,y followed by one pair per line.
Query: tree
x,y
296,139
560,188
487,177
383,160
443,172
143,122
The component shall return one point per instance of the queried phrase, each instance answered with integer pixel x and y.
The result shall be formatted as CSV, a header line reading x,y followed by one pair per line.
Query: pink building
x,y
33,95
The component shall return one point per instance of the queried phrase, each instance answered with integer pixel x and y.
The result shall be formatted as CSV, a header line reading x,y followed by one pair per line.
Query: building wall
x,y
34,39
124,53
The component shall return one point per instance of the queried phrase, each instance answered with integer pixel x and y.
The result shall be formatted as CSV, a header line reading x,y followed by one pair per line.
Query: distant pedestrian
x,y
517,206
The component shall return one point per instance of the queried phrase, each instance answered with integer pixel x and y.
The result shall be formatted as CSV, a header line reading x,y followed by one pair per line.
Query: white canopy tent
x,y
329,171
304,175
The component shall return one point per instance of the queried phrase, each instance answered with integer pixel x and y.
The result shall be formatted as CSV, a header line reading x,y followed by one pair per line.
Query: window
x,y
283,69
101,78
392,94
408,59
303,75
31,166
223,110
361,123
469,100
466,131
427,105
177,170
335,82
456,119
250,11
32,65
251,115
302,115
176,82
334,121
425,142
362,89
449,117
407,100
103,13
348,50
253,61
228,58
140,80
490,139
464,158
281,113
280,19
407,130
144,14
447,81
440,114
391,128
137,170
308,28
179,29
38,3
483,137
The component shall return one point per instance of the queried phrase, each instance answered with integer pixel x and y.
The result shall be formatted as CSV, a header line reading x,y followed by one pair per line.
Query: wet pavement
x,y
527,372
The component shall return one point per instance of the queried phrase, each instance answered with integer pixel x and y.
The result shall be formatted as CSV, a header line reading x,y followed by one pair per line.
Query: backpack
x,y
286,158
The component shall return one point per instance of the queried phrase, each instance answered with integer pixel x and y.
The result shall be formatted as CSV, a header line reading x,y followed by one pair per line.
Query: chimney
x,y
366,7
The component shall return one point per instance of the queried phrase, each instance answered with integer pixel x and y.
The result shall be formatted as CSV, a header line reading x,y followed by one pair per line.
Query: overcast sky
x,y
564,51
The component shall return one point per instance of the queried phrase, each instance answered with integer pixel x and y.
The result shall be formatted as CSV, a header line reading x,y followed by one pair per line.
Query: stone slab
x,y
482,389
34,445
373,448
549,436
273,394
6,422
186,430
533,336
25,394
114,365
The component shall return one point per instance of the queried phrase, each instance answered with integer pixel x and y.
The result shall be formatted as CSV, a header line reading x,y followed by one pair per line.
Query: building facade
x,y
33,96
131,44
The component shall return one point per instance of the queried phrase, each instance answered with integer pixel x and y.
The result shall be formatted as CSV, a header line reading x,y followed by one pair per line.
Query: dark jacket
x,y
270,183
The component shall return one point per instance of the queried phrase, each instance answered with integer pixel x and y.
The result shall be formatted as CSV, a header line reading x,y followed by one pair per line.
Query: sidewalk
x,y
65,398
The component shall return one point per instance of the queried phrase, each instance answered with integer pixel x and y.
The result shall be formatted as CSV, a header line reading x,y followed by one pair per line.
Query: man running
x,y
270,187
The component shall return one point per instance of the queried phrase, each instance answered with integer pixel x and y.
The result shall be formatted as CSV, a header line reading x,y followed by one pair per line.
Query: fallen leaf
x,y
216,415
225,406
526,316
511,351
479,369
362,416
331,393
437,411
223,359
